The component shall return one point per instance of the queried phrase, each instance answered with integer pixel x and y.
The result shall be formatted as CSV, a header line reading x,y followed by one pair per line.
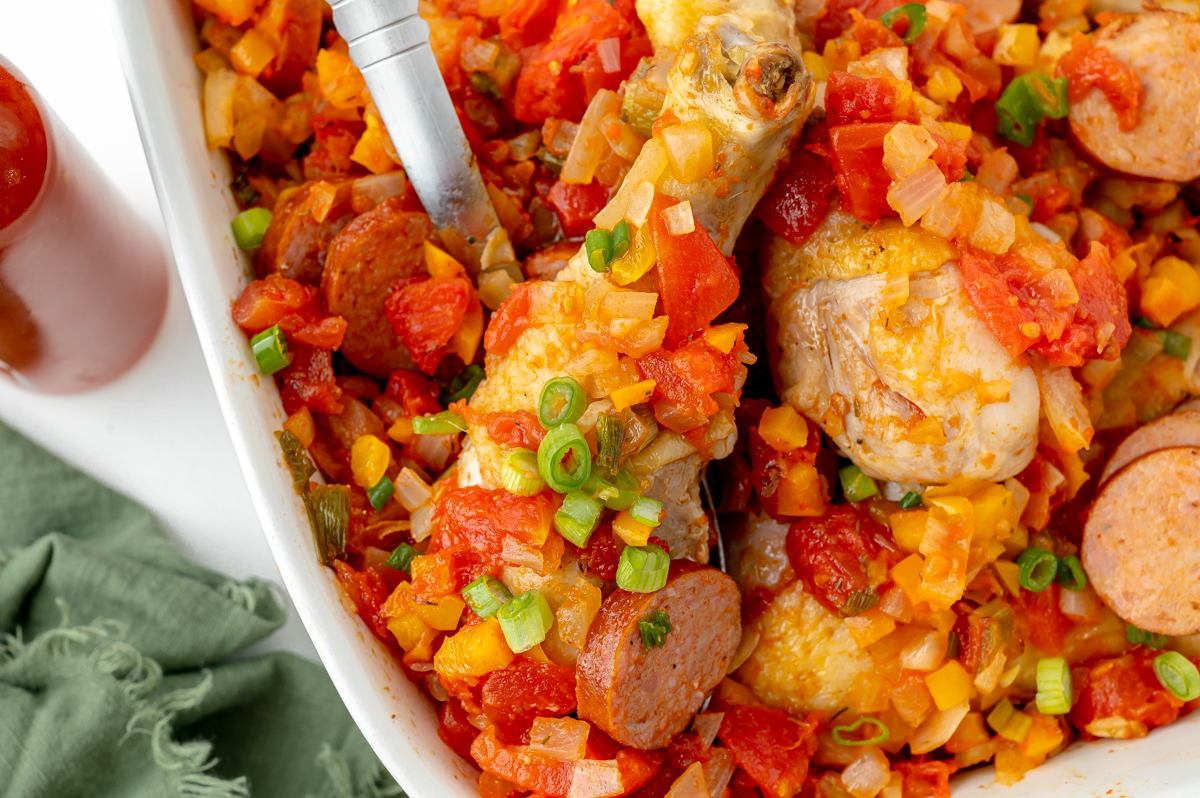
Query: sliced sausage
x,y
1163,49
1141,542
294,245
641,696
1181,428
376,249
294,27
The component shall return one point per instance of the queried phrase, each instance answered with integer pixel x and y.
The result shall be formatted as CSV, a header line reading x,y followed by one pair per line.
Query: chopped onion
x,y
478,55
997,171
560,738
691,784
906,147
867,775
638,206
679,219
995,229
925,653
987,678
624,139
618,304
1045,232
595,778
590,145
436,450
422,522
896,604
435,687
218,107
706,725
367,192
938,728
1058,287
1117,728
524,146
915,194
411,490
1020,494
514,553
718,770
1062,399
947,213
649,166
1080,606
885,62
609,51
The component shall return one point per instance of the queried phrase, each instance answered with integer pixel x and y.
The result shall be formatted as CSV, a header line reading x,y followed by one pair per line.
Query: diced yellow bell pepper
x,y
339,79
440,263
817,65
433,571
301,425
1172,289
950,685
839,52
408,630
371,150
1016,45
369,460
1009,574
995,512
783,429
908,528
641,256
943,85
252,53
907,574
689,148
443,614
402,430
635,394
630,530
800,492
870,627
723,337
473,651
1044,736
959,130
399,602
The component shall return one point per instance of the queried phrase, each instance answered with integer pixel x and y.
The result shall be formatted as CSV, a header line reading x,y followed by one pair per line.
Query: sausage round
x,y
1141,542
376,249
1181,428
294,244
1163,49
641,696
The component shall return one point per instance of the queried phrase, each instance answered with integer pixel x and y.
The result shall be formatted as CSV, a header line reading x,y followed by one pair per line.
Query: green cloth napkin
x,y
115,670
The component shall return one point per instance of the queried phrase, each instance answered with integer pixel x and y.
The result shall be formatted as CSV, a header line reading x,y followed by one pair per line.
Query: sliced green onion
x,y
1038,569
654,628
1025,101
1175,344
562,402
380,493
840,732
621,239
1145,323
643,569
271,350
1010,722
463,386
967,177
525,620
446,422
859,602
564,458
1028,200
953,646
610,438
646,511
1053,686
297,460
626,489
856,485
250,226
1177,673
486,595
599,246
1140,637
1070,574
519,475
402,557
910,501
578,517
914,12
329,516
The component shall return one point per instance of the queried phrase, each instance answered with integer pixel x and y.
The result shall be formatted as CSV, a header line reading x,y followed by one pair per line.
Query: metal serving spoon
x,y
389,43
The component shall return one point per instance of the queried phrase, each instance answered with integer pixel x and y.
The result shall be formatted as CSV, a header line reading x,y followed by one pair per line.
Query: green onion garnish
x,y
463,386
297,460
1140,637
610,437
855,484
1038,569
599,246
486,595
643,569
519,475
621,239
446,422
271,350
915,13
840,732
1053,686
1028,200
910,501
967,177
562,402
402,557
380,493
1070,574
1175,344
646,511
250,226
578,517
329,517
626,490
525,620
564,458
953,644
1025,101
654,628
1177,673
859,602
1145,323
1010,722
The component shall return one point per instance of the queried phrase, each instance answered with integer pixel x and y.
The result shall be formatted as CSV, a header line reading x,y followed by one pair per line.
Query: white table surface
x,y
156,434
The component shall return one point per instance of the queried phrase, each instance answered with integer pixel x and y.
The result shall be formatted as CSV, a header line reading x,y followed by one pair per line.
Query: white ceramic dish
x,y
157,40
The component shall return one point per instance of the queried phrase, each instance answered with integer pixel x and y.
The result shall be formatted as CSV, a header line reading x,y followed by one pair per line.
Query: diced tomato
x,y
1040,619
768,465
1102,302
416,393
600,745
830,553
742,786
685,381
686,749
514,696
516,428
1110,234
697,282
850,99
797,202
660,784
873,34
426,314
601,556
929,779
1085,66
308,381
1124,687
479,520
295,307
576,204
771,746
858,161
335,139
836,17
454,729
509,320
526,769
527,22
950,157
368,591
637,767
